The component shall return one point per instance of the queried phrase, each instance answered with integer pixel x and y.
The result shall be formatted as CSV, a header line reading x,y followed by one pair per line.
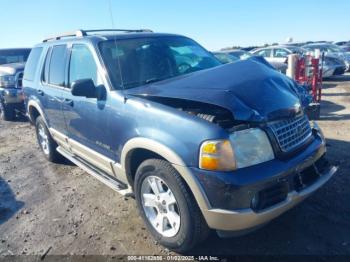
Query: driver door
x,y
86,118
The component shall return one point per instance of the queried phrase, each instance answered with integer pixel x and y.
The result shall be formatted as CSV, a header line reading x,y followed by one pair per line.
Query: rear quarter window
x,y
32,63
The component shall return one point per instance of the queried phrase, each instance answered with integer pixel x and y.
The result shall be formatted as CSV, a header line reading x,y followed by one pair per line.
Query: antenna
x,y
116,46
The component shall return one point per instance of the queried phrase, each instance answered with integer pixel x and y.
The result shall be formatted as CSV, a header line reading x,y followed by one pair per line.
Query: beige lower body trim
x,y
98,160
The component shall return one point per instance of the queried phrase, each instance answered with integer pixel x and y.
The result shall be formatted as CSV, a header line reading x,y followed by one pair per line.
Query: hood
x,y
251,90
11,69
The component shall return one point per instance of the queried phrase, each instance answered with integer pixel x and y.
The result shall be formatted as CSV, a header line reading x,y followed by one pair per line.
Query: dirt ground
x,y
62,210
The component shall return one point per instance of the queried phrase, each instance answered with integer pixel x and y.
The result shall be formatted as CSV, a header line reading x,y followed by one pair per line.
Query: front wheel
x,y
168,209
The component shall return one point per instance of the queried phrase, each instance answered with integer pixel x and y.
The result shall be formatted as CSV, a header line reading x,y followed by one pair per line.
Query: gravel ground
x,y
62,210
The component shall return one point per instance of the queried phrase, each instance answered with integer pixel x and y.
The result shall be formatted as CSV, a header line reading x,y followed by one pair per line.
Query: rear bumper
x,y
228,220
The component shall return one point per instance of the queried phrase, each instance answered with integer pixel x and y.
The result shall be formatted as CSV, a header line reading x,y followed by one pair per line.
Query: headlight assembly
x,y
7,81
251,147
245,148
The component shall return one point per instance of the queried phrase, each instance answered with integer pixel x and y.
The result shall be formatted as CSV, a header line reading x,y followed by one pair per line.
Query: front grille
x,y
291,133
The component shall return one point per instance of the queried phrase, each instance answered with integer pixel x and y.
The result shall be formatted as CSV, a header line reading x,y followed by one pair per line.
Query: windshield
x,y
145,60
13,56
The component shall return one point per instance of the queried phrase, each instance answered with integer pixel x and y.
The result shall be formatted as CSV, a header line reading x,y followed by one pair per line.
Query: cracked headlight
x,y
7,81
251,147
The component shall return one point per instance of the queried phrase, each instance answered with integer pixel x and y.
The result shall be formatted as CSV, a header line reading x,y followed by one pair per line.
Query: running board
x,y
96,173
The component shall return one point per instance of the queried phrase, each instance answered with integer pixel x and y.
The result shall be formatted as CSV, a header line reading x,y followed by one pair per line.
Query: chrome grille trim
x,y
291,133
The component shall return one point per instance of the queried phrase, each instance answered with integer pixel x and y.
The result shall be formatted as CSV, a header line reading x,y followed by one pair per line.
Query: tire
x,y
7,113
191,227
45,141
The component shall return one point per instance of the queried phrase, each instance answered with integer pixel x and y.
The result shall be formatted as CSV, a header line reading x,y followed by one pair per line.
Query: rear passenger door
x,y
52,84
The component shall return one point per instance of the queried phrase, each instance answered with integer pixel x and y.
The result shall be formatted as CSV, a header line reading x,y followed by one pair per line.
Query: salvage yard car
x,y
278,57
200,145
12,62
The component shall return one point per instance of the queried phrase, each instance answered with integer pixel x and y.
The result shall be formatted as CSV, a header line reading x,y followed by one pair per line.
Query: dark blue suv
x,y
199,145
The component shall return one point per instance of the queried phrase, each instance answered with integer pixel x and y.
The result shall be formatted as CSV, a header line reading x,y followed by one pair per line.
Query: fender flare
x,y
35,104
173,158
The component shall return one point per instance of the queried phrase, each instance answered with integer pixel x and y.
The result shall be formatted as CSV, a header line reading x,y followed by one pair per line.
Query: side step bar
x,y
98,174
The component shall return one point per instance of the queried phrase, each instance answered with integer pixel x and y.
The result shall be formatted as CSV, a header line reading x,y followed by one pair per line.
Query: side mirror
x,y
84,87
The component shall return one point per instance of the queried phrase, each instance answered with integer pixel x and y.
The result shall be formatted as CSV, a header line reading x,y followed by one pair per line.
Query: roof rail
x,y
82,33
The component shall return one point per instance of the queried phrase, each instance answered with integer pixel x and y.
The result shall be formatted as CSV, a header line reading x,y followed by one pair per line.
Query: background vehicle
x,y
14,55
199,144
345,45
278,57
12,62
331,51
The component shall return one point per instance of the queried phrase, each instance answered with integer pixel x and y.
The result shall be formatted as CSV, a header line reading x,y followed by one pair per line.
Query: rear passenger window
x,y
82,64
57,65
32,63
264,53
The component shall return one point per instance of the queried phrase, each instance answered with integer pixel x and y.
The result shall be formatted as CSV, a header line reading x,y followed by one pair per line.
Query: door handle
x,y
68,102
40,92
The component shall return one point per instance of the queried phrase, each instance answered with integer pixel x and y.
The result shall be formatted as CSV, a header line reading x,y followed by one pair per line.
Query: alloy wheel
x,y
160,206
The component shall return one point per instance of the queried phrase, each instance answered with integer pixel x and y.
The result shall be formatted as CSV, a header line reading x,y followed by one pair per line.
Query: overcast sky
x,y
214,24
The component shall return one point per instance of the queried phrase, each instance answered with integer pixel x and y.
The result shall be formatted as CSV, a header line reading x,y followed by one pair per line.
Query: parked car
x,y
331,51
12,63
345,45
200,146
278,57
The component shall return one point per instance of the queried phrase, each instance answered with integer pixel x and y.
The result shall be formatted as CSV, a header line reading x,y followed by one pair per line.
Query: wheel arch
x,y
155,149
34,110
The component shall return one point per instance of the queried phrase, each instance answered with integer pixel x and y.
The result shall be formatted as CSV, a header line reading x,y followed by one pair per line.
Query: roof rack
x,y
82,33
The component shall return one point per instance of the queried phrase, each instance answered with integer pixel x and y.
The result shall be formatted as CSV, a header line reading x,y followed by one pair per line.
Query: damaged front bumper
x,y
253,196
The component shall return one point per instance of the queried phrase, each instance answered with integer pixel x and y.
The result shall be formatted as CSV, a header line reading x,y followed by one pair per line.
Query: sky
x,y
214,24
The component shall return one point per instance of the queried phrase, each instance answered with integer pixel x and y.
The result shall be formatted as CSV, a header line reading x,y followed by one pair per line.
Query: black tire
x,y
50,152
7,113
193,228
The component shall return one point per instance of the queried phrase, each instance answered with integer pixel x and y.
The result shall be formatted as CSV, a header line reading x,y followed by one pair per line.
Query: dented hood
x,y
251,90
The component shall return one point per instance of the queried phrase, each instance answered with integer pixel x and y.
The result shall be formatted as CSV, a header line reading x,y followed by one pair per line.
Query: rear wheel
x,y
7,112
168,209
46,142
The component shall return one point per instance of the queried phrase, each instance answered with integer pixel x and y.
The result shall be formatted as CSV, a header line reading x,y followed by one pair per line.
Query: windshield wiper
x,y
154,79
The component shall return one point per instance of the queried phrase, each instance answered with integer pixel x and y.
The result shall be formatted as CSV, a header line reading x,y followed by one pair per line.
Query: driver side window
x,y
82,65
